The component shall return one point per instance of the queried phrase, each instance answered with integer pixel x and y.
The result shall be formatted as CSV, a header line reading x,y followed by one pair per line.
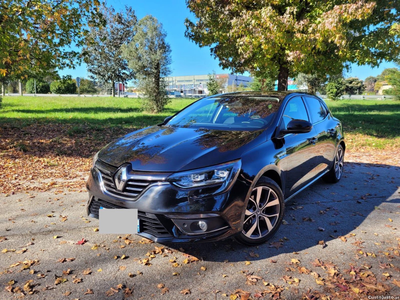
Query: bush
x,y
87,87
42,87
335,89
63,86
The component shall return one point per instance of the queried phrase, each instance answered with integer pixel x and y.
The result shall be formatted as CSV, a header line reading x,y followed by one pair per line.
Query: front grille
x,y
149,223
133,187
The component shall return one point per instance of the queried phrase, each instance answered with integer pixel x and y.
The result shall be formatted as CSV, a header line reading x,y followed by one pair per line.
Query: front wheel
x,y
264,213
336,172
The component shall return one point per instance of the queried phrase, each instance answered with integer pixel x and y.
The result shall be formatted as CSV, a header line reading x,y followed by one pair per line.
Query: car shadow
x,y
319,214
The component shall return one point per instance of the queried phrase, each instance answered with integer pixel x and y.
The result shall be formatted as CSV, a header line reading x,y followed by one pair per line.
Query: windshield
x,y
228,113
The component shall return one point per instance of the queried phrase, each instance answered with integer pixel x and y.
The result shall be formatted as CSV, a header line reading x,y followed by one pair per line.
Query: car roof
x,y
274,94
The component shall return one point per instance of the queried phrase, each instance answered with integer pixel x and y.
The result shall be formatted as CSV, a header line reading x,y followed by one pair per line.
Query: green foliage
x,y
393,78
35,35
314,82
335,88
149,56
87,87
63,86
213,85
354,86
262,84
285,38
103,50
42,87
378,85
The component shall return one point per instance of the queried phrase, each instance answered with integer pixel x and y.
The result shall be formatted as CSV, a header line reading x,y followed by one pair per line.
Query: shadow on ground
x,y
323,212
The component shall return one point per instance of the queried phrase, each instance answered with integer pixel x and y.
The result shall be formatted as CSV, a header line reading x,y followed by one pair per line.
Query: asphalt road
x,y
341,240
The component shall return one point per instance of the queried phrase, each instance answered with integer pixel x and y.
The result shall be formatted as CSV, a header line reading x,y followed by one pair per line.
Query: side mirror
x,y
166,120
296,126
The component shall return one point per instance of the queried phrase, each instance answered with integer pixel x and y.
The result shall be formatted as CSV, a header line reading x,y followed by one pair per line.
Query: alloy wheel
x,y
339,162
262,212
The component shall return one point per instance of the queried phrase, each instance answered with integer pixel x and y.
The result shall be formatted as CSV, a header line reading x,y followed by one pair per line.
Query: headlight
x,y
218,175
95,157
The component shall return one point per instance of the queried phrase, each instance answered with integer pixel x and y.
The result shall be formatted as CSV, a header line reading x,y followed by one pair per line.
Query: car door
x,y
298,161
325,132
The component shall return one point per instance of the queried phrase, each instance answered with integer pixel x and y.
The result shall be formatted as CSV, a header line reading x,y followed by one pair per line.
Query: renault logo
x,y
120,178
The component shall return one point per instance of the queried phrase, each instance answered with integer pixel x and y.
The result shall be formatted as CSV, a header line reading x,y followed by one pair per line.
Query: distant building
x,y
196,85
385,86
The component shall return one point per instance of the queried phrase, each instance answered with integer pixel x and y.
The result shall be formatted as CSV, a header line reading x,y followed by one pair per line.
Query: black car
x,y
223,166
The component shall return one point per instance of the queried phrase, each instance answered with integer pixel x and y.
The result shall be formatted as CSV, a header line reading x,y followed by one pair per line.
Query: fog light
x,y
203,225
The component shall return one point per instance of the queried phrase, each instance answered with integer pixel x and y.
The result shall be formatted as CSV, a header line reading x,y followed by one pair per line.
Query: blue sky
x,y
187,57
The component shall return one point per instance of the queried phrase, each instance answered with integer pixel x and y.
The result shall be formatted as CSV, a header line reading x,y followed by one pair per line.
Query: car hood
x,y
170,149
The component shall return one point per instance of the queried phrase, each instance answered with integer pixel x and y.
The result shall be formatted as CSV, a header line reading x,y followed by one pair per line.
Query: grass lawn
x,y
369,123
48,142
103,111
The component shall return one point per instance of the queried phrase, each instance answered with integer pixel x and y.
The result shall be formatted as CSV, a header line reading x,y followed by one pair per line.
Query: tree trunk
x,y
157,88
113,88
311,88
21,93
283,78
3,89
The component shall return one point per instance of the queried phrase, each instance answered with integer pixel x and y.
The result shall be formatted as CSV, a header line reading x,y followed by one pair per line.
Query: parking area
x,y
338,240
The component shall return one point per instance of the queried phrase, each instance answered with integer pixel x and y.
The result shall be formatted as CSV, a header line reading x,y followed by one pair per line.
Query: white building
x,y
196,85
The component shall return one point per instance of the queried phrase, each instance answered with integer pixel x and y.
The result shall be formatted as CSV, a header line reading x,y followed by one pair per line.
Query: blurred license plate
x,y
118,221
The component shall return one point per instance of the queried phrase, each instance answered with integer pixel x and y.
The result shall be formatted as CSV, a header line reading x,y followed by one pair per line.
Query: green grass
x,y
367,123
98,111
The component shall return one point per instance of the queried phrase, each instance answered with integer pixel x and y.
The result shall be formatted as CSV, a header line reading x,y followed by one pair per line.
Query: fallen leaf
x,y
276,245
185,292
60,280
87,271
82,241
89,291
160,285
294,261
77,280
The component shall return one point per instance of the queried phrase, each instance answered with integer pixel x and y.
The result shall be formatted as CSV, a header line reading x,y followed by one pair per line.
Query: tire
x,y
264,213
336,172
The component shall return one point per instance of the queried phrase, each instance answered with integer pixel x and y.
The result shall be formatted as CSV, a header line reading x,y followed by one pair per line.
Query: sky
x,y
187,57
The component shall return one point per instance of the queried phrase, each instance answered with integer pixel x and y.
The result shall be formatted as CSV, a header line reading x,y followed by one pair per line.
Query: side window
x,y
317,110
295,109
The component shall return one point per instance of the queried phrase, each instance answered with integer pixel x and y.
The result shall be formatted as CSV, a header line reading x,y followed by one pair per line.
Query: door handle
x,y
312,140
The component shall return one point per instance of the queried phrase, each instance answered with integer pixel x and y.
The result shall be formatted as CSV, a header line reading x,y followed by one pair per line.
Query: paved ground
x,y
340,240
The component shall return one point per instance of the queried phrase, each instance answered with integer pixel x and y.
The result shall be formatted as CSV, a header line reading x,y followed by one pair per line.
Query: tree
x,y
392,76
354,86
335,88
369,83
285,38
313,82
213,85
35,35
262,84
103,50
63,86
149,56
87,87
42,87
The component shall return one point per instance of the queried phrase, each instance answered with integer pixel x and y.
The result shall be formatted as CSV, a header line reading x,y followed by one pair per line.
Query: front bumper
x,y
170,214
